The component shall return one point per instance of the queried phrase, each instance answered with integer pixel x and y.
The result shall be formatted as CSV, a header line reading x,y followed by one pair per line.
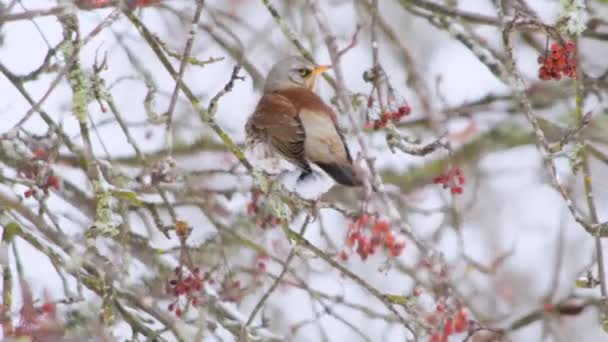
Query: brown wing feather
x,y
325,144
276,119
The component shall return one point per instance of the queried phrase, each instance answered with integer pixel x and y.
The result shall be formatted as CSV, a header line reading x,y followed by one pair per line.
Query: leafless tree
x,y
129,210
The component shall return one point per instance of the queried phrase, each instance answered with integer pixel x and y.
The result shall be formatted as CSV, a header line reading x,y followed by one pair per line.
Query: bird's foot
x,y
305,176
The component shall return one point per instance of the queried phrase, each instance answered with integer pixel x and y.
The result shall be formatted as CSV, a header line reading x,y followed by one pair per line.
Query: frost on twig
x,y
574,17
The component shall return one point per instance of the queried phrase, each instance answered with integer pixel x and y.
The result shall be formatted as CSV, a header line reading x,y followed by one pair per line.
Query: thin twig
x,y
180,73
277,281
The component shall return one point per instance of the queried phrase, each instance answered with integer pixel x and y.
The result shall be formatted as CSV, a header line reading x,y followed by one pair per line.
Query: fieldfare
x,y
295,122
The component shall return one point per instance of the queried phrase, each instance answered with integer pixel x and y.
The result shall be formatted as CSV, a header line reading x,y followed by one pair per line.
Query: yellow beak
x,y
309,82
319,69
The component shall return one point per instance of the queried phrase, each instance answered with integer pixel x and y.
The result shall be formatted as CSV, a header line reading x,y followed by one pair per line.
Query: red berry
x,y
448,327
389,239
363,219
452,179
404,110
53,181
397,249
375,240
362,240
555,47
456,190
440,179
371,249
48,307
380,227
460,321
569,47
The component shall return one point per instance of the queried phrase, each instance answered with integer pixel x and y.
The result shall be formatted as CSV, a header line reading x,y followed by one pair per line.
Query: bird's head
x,y
292,72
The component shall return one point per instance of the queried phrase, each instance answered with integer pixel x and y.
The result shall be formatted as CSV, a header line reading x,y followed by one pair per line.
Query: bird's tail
x,y
342,173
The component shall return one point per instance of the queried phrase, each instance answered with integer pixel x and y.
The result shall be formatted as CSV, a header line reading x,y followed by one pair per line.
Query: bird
x,y
291,121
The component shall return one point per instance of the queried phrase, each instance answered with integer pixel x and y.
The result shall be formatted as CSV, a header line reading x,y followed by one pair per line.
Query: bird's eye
x,y
303,72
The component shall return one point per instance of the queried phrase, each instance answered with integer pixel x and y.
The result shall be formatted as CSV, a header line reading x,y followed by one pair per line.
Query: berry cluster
x,y
560,60
370,233
51,182
38,169
388,116
452,179
232,290
36,322
254,208
188,286
452,324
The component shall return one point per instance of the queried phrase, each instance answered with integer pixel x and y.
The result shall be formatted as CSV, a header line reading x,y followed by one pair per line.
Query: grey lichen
x,y
81,89
261,180
98,88
104,224
279,208
575,157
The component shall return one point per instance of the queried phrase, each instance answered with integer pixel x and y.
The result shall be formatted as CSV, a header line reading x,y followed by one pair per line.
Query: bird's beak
x,y
316,71
319,69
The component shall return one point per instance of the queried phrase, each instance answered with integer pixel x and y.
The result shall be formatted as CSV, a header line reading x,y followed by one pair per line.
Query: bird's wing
x,y
277,118
324,142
